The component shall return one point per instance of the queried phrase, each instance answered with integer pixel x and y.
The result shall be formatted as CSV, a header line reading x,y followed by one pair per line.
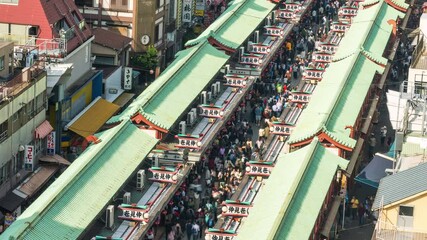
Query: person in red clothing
x,y
285,88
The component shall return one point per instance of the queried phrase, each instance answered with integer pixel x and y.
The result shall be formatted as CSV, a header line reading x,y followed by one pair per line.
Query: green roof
x,y
242,17
283,185
74,200
300,216
345,83
176,94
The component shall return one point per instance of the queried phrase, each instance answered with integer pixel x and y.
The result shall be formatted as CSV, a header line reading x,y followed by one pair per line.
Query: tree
x,y
147,60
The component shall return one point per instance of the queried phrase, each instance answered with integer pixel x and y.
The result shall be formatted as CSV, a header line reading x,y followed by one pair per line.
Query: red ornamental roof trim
x,y
216,43
395,6
138,118
373,60
322,136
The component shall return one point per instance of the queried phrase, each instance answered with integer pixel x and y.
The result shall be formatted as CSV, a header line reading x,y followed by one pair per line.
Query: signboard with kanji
x,y
260,49
292,6
313,74
322,57
326,47
185,141
236,209
187,13
219,234
50,148
127,84
281,129
29,157
162,174
211,111
348,12
235,80
133,212
258,169
274,31
299,97
285,14
251,59
339,27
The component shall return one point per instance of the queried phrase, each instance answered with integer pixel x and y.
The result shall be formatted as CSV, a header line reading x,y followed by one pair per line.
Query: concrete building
x,y
154,22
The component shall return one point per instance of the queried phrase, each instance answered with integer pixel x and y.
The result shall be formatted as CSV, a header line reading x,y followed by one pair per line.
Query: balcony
x,y
393,234
19,82
111,14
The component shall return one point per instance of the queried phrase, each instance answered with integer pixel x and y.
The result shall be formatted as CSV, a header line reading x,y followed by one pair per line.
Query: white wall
x,y
416,75
80,58
113,81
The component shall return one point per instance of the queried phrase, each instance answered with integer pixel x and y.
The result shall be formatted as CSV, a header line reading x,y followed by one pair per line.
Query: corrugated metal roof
x,y
401,185
74,200
295,175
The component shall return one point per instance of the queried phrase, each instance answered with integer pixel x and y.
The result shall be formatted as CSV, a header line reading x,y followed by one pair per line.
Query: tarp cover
x,y
375,170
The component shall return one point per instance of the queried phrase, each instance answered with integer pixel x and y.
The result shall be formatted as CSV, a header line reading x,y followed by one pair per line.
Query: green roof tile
x,y
74,200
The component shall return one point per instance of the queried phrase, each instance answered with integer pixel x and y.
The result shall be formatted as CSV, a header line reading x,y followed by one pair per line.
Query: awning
x,y
123,99
11,202
54,159
43,129
37,180
331,217
91,119
375,170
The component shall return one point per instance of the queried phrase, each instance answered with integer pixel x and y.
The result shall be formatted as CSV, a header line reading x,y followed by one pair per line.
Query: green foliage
x,y
147,60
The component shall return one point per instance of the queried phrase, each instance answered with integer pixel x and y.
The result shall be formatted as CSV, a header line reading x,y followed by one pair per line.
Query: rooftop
x,y
110,39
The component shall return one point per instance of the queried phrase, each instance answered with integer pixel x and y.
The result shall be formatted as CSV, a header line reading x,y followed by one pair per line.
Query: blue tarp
x,y
375,170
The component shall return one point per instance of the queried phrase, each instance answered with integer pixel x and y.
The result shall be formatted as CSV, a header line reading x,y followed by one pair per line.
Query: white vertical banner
x,y
51,137
29,157
187,13
127,83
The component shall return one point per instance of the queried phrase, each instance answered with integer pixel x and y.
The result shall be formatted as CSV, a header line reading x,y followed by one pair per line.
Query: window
x,y
158,32
406,211
1,63
3,131
8,1
76,18
30,109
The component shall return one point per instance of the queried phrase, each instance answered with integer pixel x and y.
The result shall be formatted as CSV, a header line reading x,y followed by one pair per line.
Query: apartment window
x,y
3,130
158,32
76,18
1,63
8,1
4,172
30,109
406,211
159,3
40,102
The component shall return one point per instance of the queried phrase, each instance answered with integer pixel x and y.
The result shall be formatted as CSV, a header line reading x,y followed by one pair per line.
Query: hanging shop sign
x,y
235,208
298,97
200,8
322,57
285,14
164,174
187,13
274,31
251,59
134,212
259,168
50,143
339,27
281,128
347,12
293,6
219,234
328,47
29,157
313,74
188,141
211,111
234,80
127,84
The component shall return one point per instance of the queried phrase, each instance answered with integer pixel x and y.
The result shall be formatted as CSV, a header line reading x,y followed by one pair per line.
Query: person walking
x,y
195,230
188,230
372,144
383,135
361,212
354,206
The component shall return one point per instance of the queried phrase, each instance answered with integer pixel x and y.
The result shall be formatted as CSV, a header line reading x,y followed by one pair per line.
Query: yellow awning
x,y
123,99
93,117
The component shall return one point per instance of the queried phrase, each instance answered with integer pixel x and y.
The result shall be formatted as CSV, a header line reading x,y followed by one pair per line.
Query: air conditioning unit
x,y
191,118
218,87
140,177
250,46
203,97
109,217
126,198
209,96
194,110
213,90
182,127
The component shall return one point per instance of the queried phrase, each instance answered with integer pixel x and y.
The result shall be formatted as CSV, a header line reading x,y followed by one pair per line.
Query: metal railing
x,y
387,231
